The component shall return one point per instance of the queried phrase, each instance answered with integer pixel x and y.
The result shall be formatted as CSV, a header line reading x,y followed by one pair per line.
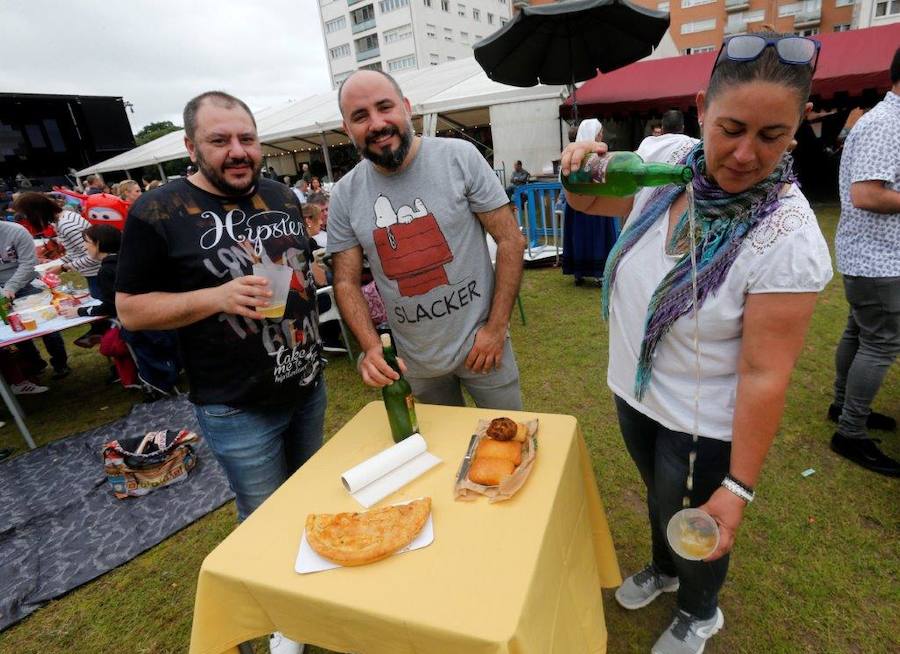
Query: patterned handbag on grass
x,y
138,466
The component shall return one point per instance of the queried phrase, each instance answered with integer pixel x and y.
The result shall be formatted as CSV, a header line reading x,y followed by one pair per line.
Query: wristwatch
x,y
739,488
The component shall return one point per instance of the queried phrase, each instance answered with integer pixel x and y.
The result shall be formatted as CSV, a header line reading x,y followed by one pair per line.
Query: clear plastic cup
x,y
693,534
279,283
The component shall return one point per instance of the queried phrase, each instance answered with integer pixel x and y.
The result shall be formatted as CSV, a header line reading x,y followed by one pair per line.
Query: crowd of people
x,y
707,312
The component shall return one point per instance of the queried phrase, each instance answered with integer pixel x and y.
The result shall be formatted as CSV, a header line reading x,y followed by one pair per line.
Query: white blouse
x,y
785,253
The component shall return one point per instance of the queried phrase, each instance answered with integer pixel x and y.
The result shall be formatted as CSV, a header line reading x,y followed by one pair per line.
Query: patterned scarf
x,y
722,221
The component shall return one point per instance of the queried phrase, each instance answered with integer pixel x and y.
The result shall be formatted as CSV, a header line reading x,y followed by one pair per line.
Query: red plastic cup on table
x,y
15,321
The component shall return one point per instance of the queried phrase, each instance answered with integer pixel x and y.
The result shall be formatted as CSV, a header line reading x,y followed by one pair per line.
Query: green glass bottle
x,y
621,174
398,397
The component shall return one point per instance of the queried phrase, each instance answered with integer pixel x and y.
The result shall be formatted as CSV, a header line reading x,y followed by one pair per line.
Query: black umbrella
x,y
568,42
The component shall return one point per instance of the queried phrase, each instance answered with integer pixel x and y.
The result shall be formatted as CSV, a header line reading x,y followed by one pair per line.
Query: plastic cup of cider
x,y
693,534
279,283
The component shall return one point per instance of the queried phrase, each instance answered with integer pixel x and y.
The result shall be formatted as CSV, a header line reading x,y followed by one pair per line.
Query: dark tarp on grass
x,y
61,526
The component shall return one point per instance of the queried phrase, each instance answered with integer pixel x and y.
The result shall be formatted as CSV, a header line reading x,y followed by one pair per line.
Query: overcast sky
x,y
158,54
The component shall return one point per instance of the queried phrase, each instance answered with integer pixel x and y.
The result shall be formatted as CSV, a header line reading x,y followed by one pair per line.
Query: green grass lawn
x,y
816,567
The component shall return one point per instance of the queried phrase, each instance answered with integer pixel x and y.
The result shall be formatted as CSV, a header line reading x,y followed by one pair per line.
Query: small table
x,y
9,337
519,576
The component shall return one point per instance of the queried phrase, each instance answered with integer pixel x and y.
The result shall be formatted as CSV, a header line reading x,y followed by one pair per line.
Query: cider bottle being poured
x,y
621,174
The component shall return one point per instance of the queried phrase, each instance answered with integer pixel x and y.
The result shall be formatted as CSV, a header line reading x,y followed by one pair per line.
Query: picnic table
x,y
10,337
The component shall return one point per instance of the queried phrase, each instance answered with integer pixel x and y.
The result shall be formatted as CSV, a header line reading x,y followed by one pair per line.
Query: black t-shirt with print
x,y
180,238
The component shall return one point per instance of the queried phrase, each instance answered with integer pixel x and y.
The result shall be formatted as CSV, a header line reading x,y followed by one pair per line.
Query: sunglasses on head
x,y
791,50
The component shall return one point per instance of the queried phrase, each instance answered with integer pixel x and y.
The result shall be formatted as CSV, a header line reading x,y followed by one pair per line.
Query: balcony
x,y
735,28
367,54
808,19
350,3
736,5
363,26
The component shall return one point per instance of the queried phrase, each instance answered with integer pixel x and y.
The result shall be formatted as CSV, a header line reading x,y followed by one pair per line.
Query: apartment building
x,y
397,35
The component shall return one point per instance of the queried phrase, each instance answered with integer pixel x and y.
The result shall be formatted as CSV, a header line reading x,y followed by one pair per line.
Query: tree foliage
x,y
154,131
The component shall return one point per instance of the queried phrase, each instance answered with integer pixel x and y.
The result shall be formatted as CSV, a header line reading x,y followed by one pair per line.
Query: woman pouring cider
x,y
701,393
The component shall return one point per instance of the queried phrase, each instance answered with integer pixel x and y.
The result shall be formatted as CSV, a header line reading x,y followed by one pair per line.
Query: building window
x,y
476,14
461,10
755,16
478,37
490,18
398,34
808,6
694,3
887,8
433,59
427,3
464,38
451,58
376,65
698,26
363,15
430,31
843,27
445,5
402,63
812,31
367,43
340,51
388,6
335,25
340,77
662,6
448,34
844,3
700,49
503,21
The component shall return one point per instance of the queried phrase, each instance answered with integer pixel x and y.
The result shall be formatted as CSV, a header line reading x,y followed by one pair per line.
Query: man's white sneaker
x,y
643,587
281,644
28,388
688,634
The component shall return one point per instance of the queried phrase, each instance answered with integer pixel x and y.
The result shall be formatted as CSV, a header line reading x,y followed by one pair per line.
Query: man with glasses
x,y
868,256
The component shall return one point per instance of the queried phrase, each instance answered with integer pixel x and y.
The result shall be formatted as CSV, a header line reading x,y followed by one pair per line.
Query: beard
x,y
216,177
386,157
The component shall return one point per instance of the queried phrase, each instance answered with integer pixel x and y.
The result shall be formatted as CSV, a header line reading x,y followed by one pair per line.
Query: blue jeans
x,y
259,448
499,389
661,456
868,347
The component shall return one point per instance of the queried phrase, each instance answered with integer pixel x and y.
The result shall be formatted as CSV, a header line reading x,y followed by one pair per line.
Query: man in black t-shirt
x,y
189,254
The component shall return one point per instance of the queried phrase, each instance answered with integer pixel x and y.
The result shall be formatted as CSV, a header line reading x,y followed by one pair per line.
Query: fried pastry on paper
x,y
360,538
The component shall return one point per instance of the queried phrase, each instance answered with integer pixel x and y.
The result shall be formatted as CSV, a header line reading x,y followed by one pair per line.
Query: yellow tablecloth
x,y
517,577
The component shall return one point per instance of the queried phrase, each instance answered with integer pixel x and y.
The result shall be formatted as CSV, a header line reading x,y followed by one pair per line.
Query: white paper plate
x,y
309,561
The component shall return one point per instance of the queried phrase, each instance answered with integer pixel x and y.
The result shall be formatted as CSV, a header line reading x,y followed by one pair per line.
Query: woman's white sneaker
x,y
643,587
688,634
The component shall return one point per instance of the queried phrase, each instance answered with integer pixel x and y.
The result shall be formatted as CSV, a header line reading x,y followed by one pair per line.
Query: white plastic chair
x,y
334,314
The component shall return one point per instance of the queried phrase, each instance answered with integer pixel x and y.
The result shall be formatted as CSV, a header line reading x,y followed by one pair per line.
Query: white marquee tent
x,y
524,122
458,93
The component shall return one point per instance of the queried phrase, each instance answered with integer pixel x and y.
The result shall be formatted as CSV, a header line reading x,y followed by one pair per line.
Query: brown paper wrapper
x,y
467,490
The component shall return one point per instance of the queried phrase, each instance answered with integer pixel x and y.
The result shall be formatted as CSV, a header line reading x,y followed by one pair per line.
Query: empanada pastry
x,y
360,538
491,449
490,472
